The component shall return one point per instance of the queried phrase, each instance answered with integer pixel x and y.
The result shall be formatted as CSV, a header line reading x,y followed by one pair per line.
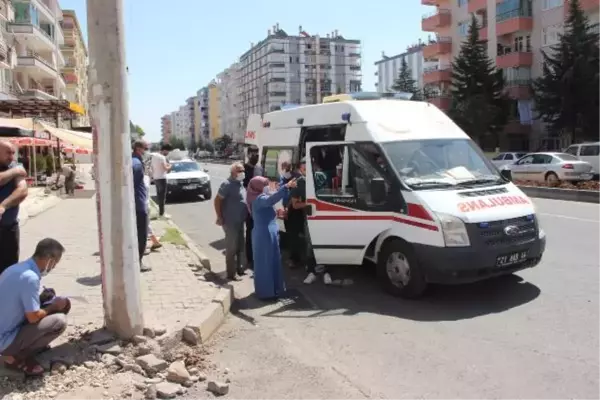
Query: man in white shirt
x,y
160,168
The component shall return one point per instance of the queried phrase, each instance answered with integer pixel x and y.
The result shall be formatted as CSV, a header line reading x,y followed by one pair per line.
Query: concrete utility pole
x,y
112,162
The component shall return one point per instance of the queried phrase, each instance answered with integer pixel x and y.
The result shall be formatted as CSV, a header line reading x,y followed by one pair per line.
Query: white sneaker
x,y
327,278
310,278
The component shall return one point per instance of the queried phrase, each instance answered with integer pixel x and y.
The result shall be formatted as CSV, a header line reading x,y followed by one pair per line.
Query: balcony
x,y
439,19
36,66
440,101
6,10
476,5
429,2
443,45
514,60
71,79
436,74
512,22
519,89
586,5
37,39
39,94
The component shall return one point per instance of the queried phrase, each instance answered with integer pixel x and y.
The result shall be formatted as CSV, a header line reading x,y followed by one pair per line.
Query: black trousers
x,y
142,219
249,227
9,245
161,195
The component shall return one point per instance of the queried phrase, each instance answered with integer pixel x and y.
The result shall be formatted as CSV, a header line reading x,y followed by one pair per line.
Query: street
x,y
531,335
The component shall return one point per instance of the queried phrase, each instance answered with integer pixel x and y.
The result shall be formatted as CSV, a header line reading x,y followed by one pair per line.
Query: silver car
x,y
550,167
506,158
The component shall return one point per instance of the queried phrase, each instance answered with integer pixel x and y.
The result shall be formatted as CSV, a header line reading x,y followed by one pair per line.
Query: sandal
x,y
30,368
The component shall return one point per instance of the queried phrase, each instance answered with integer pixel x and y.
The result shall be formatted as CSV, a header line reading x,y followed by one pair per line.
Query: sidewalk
x,y
174,293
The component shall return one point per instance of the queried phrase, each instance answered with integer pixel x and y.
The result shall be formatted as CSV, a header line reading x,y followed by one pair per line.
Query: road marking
x,y
568,217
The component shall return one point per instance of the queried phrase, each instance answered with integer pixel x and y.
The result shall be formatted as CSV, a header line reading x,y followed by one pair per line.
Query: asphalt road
x,y
534,335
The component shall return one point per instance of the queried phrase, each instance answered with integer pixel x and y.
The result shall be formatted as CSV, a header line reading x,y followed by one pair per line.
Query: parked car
x,y
550,167
506,158
589,152
186,178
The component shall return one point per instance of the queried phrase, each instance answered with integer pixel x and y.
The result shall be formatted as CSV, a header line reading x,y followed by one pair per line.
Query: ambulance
x,y
397,183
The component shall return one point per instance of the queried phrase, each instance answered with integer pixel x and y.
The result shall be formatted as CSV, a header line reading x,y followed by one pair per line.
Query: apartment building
x,y
230,122
166,127
388,68
7,55
298,69
201,120
74,71
214,102
37,36
190,123
516,32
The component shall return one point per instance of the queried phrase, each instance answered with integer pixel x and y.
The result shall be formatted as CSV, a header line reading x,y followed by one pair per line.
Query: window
x,y
499,157
551,34
462,3
272,160
509,157
590,150
549,4
355,180
542,159
463,28
572,150
526,161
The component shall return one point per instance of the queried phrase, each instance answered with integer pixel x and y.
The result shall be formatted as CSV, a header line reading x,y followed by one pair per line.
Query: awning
x,y
21,123
77,108
78,139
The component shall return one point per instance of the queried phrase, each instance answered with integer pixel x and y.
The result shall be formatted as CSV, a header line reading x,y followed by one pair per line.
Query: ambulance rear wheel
x,y
399,270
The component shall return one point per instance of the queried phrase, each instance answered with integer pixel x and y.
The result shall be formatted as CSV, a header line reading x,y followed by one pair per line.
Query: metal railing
x,y
440,39
435,68
35,56
436,12
513,14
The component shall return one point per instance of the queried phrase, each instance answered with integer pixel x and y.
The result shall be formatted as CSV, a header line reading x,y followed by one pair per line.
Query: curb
x,y
204,260
584,196
26,213
211,317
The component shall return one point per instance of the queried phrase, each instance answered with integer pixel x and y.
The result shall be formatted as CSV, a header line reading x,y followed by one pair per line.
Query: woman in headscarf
x,y
268,274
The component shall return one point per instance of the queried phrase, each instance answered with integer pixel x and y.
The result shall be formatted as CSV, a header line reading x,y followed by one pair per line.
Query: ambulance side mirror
x,y
506,174
378,191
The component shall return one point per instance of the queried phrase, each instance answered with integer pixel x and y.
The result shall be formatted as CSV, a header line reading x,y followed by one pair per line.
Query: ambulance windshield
x,y
424,164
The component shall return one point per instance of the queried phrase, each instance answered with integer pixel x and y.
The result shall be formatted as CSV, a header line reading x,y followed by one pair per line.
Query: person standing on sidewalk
x,y
231,210
140,194
13,190
251,169
160,167
26,328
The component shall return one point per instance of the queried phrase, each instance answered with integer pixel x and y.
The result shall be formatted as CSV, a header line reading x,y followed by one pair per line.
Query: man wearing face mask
x,y
26,326
231,211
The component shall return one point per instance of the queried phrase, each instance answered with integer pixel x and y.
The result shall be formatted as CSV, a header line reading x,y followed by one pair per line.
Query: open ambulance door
x,y
347,207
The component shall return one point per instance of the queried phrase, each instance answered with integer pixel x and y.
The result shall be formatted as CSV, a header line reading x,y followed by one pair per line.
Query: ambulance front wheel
x,y
399,270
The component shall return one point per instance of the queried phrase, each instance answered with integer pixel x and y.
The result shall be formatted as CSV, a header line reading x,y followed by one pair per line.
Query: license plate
x,y
190,187
511,259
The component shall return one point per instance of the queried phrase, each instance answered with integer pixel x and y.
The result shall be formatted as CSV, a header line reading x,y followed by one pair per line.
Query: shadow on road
x,y
440,303
181,199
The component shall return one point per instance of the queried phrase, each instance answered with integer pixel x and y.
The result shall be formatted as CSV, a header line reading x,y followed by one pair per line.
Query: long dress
x,y
268,274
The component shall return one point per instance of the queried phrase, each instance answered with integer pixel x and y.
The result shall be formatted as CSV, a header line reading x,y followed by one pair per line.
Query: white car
x,y
589,152
186,178
550,167
506,158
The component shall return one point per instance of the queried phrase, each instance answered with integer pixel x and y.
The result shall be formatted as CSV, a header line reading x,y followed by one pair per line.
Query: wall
x,y
213,112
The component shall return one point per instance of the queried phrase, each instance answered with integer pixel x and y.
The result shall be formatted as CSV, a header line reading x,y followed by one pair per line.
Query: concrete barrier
x,y
584,196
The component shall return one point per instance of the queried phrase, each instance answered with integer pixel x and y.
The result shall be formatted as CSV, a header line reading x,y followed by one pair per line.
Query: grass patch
x,y
173,236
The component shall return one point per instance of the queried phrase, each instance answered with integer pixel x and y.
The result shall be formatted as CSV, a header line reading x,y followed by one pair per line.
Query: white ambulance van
x,y
398,183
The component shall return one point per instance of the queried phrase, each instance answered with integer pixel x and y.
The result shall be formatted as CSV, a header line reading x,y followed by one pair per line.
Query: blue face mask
x,y
266,190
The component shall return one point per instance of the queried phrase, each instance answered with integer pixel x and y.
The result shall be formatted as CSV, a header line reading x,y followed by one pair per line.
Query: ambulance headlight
x,y
454,231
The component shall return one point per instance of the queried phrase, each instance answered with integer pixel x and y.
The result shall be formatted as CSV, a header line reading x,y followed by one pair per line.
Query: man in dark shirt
x,y
13,190
305,251
251,169
140,194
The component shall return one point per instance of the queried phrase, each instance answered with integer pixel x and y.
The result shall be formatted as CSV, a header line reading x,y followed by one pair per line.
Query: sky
x,y
175,47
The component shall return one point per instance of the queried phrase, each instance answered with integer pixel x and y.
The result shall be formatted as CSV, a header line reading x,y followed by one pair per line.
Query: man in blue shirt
x,y
13,190
140,194
26,328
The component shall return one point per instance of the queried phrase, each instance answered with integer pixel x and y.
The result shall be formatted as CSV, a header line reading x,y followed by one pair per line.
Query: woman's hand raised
x,y
292,184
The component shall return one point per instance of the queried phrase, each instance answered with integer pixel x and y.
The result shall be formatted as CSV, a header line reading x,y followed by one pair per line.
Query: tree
x,y
208,146
478,104
222,142
405,83
566,95
176,143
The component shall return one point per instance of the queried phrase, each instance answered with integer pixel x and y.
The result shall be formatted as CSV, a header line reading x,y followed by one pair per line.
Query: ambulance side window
x,y
272,161
350,181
